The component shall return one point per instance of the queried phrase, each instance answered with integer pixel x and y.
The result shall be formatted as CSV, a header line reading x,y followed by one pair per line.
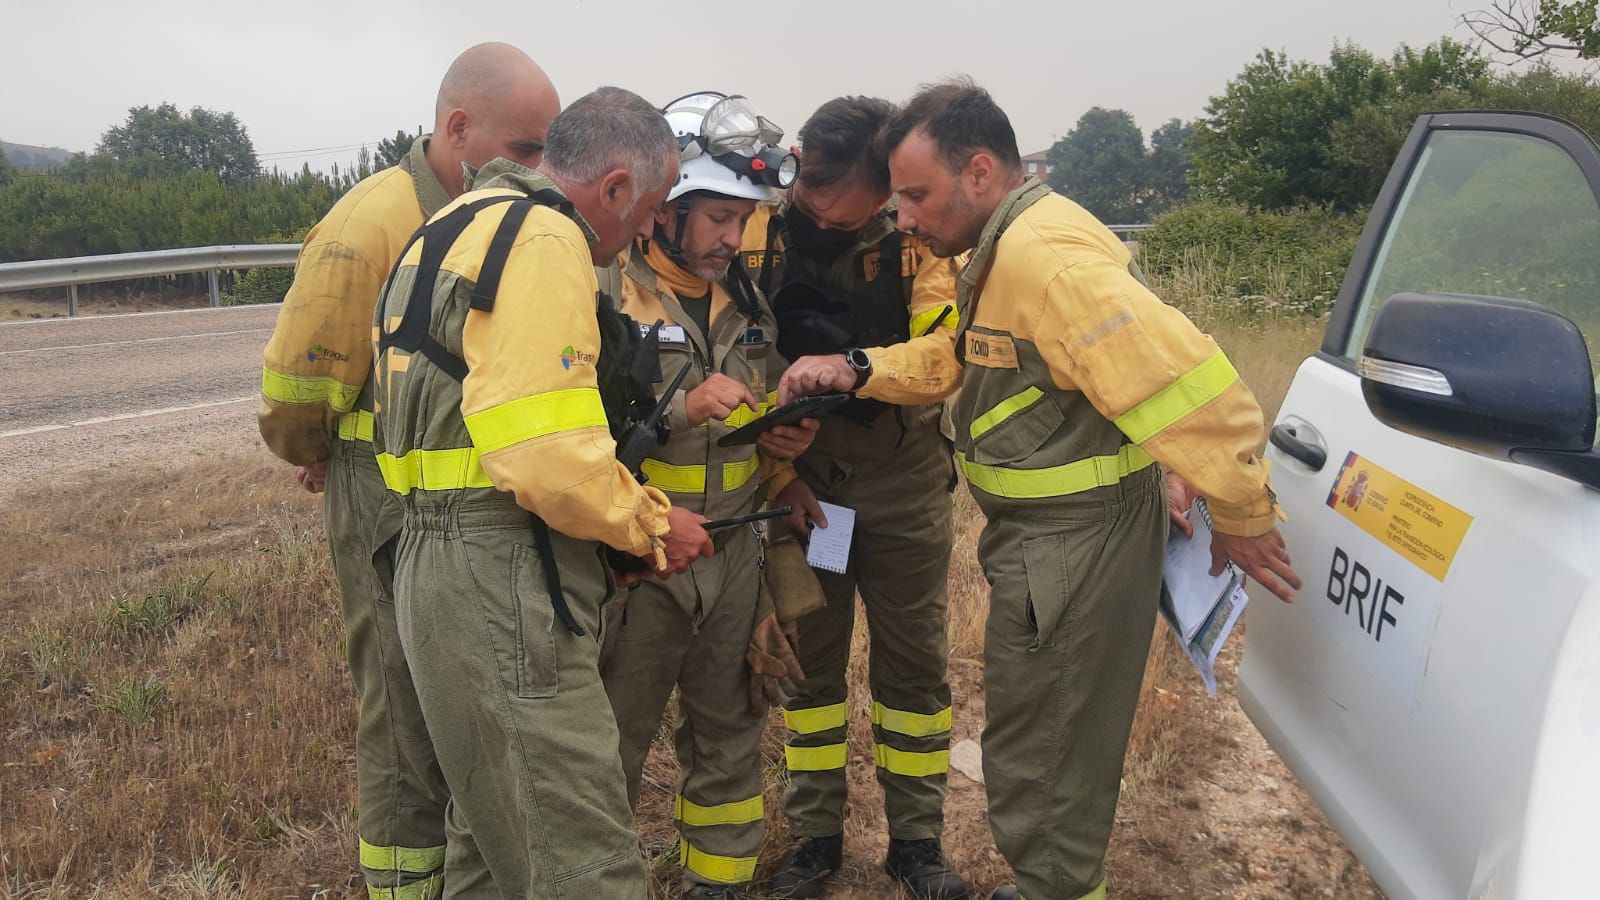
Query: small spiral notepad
x,y
830,547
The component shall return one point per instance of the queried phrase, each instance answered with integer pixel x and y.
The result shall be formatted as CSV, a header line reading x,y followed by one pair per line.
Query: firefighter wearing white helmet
x,y
710,632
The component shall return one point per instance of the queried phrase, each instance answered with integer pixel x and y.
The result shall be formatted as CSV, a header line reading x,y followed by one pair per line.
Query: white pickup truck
x,y
1436,687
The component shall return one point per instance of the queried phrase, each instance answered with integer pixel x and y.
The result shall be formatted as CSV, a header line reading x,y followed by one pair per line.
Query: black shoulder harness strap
x,y
775,225
414,336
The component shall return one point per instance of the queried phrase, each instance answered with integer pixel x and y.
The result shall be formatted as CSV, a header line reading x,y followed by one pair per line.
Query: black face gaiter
x,y
815,242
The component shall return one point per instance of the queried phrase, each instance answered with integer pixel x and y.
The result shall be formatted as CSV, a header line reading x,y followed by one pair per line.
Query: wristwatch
x,y
858,360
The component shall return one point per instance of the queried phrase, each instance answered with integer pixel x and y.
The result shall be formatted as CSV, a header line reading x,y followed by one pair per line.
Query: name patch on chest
x,y
994,351
670,334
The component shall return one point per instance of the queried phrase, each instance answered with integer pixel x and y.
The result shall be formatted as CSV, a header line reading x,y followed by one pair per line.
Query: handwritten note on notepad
x,y
830,547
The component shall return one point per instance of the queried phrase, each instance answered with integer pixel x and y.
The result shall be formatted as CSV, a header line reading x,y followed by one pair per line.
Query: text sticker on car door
x,y
1385,550
1414,523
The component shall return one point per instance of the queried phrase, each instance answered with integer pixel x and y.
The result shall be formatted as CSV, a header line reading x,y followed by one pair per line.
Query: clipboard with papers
x,y
1201,608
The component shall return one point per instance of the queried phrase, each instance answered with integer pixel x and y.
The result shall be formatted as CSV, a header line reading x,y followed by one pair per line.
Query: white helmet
x,y
726,148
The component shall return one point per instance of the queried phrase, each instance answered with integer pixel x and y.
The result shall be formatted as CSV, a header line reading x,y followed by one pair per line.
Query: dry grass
x,y
177,720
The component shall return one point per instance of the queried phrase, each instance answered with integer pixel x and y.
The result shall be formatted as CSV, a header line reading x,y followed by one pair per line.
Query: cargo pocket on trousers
x,y
1044,559
536,622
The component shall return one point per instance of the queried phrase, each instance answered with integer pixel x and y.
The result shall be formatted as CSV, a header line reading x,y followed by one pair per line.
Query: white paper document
x,y
1201,608
830,547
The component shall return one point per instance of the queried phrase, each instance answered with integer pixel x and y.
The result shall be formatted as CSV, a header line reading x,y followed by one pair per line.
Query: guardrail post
x,y
211,282
72,299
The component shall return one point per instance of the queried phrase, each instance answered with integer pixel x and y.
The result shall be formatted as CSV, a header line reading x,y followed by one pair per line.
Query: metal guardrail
x,y
1125,231
75,270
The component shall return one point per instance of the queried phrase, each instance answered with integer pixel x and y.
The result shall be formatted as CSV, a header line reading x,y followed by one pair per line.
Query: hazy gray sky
x,y
304,74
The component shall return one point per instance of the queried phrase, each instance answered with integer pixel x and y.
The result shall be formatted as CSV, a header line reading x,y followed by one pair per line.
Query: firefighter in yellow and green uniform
x,y
1075,381
504,381
838,275
693,631
316,413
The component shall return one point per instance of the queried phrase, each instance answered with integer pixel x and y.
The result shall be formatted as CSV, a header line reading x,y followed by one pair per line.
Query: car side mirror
x,y
1507,379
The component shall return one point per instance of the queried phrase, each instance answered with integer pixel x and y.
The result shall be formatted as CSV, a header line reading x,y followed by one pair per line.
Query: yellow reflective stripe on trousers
x,y
743,416
1004,410
741,812
915,765
527,418
356,426
1194,389
426,889
736,475
411,860
433,470
922,322
815,759
817,718
1055,481
301,389
722,869
910,724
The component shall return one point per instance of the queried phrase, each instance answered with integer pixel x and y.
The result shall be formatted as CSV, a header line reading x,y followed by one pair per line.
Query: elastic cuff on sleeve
x,y
1245,520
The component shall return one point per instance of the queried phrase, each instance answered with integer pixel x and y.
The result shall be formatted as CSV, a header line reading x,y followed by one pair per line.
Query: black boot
x,y
702,891
922,868
801,874
1005,892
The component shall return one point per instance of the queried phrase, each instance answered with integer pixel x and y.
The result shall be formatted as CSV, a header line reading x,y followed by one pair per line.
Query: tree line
x,y
1287,134
165,178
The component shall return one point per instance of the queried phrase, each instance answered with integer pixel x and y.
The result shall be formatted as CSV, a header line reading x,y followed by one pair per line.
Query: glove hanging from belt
x,y
795,588
772,655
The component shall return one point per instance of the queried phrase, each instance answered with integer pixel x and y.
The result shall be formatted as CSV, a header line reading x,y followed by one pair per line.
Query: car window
x,y
1491,214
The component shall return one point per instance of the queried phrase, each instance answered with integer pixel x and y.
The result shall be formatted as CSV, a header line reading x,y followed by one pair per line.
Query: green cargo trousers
x,y
1073,598
401,794
520,720
900,563
691,631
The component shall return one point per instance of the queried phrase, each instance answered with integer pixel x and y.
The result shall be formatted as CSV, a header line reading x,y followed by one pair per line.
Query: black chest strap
x,y
414,333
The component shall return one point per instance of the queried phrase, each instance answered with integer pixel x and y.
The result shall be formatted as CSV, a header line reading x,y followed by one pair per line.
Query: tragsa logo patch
x,y
571,357
318,351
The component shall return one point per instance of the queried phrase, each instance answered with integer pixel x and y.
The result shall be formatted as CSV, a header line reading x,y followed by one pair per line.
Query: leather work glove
x,y
774,667
793,583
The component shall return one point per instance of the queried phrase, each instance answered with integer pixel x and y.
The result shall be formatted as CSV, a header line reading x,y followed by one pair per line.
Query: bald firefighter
x,y
1075,381
505,380
316,413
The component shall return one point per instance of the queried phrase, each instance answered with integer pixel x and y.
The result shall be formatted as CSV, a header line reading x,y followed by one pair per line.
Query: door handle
x,y
1287,438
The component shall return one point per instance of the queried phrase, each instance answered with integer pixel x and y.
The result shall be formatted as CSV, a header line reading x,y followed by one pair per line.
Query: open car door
x,y
1436,687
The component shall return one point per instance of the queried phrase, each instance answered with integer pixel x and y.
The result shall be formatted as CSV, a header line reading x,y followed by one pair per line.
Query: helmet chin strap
x,y
674,245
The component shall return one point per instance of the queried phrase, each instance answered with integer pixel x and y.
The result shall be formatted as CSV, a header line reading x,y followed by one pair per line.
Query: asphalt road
x,y
85,395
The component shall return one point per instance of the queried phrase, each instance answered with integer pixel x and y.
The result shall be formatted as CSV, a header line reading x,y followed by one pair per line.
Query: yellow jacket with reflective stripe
x,y
690,468
319,358
528,420
1077,358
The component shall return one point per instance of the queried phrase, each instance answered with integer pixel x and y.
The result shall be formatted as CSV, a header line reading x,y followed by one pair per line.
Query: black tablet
x,y
787,414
